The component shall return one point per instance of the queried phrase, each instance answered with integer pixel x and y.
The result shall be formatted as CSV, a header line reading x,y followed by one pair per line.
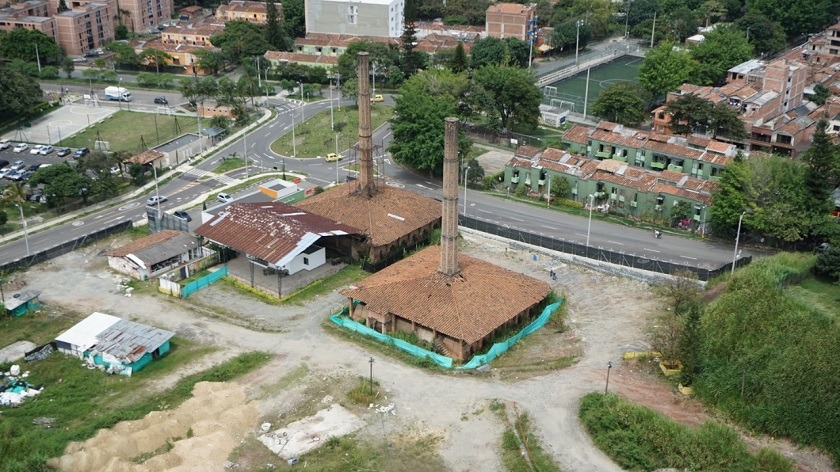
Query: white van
x,y
5,144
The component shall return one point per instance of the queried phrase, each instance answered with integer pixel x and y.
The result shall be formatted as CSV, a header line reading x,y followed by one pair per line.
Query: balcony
x,y
602,155
619,157
657,165
675,168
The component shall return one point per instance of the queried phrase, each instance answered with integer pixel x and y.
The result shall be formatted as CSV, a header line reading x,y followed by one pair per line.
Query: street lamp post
x,y
373,93
607,387
119,93
303,107
25,228
294,147
157,192
466,173
371,375
737,240
577,41
338,86
589,225
332,120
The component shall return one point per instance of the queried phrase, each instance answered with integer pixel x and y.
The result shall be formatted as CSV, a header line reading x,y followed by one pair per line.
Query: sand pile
x,y
216,419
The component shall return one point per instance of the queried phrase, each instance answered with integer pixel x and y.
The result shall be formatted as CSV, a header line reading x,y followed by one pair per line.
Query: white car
x,y
20,147
36,149
5,144
18,165
224,198
155,200
46,150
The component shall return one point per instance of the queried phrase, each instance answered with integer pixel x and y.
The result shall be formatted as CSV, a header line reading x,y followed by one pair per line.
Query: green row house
x,y
625,173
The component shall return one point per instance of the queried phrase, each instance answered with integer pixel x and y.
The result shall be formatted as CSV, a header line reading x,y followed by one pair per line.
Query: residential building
x,y
32,14
254,12
464,33
151,256
191,34
181,55
383,18
828,42
276,58
510,20
334,44
84,28
145,15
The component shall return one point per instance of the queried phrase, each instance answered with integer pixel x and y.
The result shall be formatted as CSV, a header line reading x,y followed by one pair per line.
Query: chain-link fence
x,y
604,255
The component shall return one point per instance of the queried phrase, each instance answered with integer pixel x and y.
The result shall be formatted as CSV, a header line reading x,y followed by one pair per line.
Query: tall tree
x,y
682,23
731,199
293,18
821,176
411,60
241,39
18,93
723,48
156,57
516,97
209,60
20,43
726,121
624,103
380,54
495,51
689,114
459,62
67,66
568,34
275,36
766,36
123,53
665,69
798,17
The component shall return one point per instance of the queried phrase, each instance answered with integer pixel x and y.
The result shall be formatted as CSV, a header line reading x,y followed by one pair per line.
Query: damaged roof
x,y
272,231
468,306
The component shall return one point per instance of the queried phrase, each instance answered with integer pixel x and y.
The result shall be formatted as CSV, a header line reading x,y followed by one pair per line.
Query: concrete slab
x,y
494,159
60,124
310,433
15,351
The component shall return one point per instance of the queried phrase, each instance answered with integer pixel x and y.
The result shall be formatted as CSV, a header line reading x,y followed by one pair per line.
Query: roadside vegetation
x,y
78,401
638,438
521,450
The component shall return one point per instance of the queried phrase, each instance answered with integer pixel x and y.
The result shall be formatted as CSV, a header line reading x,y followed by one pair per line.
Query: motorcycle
x,y
657,234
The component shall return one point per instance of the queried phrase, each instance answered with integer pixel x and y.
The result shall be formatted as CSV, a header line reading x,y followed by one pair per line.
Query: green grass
x,y
228,164
573,89
82,401
638,438
517,436
362,393
124,130
40,326
346,276
315,137
820,295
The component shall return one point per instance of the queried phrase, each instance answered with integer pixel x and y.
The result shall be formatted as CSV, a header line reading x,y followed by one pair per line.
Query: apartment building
x,y
382,18
254,12
145,15
180,55
191,34
84,28
32,14
510,20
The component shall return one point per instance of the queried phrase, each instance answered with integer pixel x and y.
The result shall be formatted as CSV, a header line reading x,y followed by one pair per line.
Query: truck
x,y
117,93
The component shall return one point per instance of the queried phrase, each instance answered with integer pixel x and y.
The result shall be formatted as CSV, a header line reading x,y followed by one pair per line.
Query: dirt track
x,y
606,313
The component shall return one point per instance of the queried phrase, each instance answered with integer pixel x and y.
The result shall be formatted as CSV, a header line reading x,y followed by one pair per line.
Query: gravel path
x,y
606,312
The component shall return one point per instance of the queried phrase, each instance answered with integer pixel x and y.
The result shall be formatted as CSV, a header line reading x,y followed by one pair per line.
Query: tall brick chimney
x,y
449,221
365,182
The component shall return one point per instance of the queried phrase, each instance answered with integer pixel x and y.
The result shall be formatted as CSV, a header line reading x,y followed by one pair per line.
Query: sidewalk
x,y
187,165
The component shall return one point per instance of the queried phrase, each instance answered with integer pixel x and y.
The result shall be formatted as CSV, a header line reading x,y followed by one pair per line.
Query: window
x,y
305,260
352,13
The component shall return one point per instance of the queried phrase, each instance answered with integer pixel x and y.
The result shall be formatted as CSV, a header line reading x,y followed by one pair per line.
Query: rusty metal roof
x,y
129,341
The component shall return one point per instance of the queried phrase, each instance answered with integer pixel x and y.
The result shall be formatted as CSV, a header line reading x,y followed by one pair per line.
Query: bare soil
x,y
606,317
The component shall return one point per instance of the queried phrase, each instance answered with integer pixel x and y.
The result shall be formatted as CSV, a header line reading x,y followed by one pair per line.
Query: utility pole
x,y
332,120
371,375
577,41
653,30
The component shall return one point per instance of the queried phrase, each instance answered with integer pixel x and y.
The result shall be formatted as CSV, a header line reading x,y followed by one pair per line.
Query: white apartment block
x,y
382,18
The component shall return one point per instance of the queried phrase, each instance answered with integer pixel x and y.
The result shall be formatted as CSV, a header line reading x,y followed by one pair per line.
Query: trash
x,y
327,400
43,421
15,370
228,465
292,461
265,427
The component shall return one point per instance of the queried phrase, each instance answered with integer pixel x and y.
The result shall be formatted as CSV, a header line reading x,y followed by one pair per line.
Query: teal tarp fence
x,y
498,349
199,284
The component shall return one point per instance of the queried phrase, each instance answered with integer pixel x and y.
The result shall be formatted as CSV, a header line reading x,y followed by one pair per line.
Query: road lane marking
x,y
578,234
549,227
517,219
484,211
651,250
616,242
688,257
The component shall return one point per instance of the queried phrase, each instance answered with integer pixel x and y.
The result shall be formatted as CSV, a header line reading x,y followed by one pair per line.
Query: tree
x,y
123,53
18,94
61,181
726,121
689,114
821,94
723,48
823,171
665,69
424,102
515,96
828,263
20,44
198,90
682,24
560,187
154,56
380,54
495,51
99,164
49,72
411,60
459,62
293,18
691,342
67,66
4,218
766,36
475,177
565,36
120,32
623,103
241,39
598,14
62,6
209,60
275,35
731,198
797,17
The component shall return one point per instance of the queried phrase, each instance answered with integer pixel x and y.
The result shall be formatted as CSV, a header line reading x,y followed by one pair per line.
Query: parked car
x,y
377,98
3,163
61,152
81,152
5,144
154,200
33,167
224,198
5,171
332,157
183,215
20,147
26,174
161,101
18,165
35,150
13,174
35,196
46,150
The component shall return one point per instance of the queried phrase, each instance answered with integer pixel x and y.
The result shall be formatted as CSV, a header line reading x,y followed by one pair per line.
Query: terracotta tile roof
x,y
702,196
339,40
468,306
145,157
631,178
143,243
607,125
610,165
698,141
527,151
674,149
197,30
269,231
719,147
717,159
577,134
508,8
635,140
552,154
390,214
243,6
433,43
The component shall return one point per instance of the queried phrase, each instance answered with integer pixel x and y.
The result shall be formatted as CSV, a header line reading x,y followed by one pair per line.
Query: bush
x,y
49,72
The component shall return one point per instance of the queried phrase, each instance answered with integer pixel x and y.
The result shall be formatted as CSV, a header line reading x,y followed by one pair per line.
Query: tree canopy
x,y
20,44
495,51
798,17
624,102
765,35
241,39
723,48
665,69
515,96
18,93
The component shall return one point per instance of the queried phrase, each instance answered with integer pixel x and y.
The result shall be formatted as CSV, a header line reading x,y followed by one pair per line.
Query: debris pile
x,y
307,434
15,389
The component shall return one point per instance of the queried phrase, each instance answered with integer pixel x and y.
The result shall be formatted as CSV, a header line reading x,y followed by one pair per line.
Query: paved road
x,y
190,186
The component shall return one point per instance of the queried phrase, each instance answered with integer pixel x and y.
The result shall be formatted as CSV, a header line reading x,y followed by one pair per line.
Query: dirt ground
x,y
606,318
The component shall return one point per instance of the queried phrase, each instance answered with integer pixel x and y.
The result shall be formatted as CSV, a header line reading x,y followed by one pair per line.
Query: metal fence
x,y
598,254
203,282
65,247
166,221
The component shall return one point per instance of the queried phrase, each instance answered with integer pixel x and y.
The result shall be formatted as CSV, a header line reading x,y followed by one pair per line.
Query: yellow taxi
x,y
332,157
377,98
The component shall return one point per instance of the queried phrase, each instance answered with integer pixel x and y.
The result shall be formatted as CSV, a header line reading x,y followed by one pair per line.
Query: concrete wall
x,y
355,18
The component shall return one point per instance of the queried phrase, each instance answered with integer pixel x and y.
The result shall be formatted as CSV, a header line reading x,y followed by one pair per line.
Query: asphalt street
x,y
193,184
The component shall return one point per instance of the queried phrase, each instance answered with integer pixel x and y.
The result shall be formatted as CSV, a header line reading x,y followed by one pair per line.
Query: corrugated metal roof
x,y
129,341
179,244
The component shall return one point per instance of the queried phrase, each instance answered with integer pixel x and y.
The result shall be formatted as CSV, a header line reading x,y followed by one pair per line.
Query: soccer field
x,y
569,93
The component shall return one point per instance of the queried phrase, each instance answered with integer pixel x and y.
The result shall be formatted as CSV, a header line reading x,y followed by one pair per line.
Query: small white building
x,y
383,18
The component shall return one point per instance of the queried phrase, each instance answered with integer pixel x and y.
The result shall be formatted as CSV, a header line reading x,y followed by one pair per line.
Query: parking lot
x,y
59,124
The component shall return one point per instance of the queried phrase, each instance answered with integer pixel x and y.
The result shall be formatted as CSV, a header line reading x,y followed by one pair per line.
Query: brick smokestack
x,y
366,184
449,222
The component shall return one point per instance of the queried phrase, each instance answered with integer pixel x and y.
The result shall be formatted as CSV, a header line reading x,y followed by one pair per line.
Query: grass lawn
x,y
818,294
228,164
315,137
124,130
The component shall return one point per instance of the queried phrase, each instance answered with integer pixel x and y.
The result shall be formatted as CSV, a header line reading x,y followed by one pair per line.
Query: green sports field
x,y
569,93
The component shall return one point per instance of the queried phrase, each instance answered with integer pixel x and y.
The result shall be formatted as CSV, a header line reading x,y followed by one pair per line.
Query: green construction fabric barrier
x,y
416,351
498,349
502,347
203,282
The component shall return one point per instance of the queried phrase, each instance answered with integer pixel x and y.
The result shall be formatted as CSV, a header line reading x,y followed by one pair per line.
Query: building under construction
x,y
455,301
391,219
